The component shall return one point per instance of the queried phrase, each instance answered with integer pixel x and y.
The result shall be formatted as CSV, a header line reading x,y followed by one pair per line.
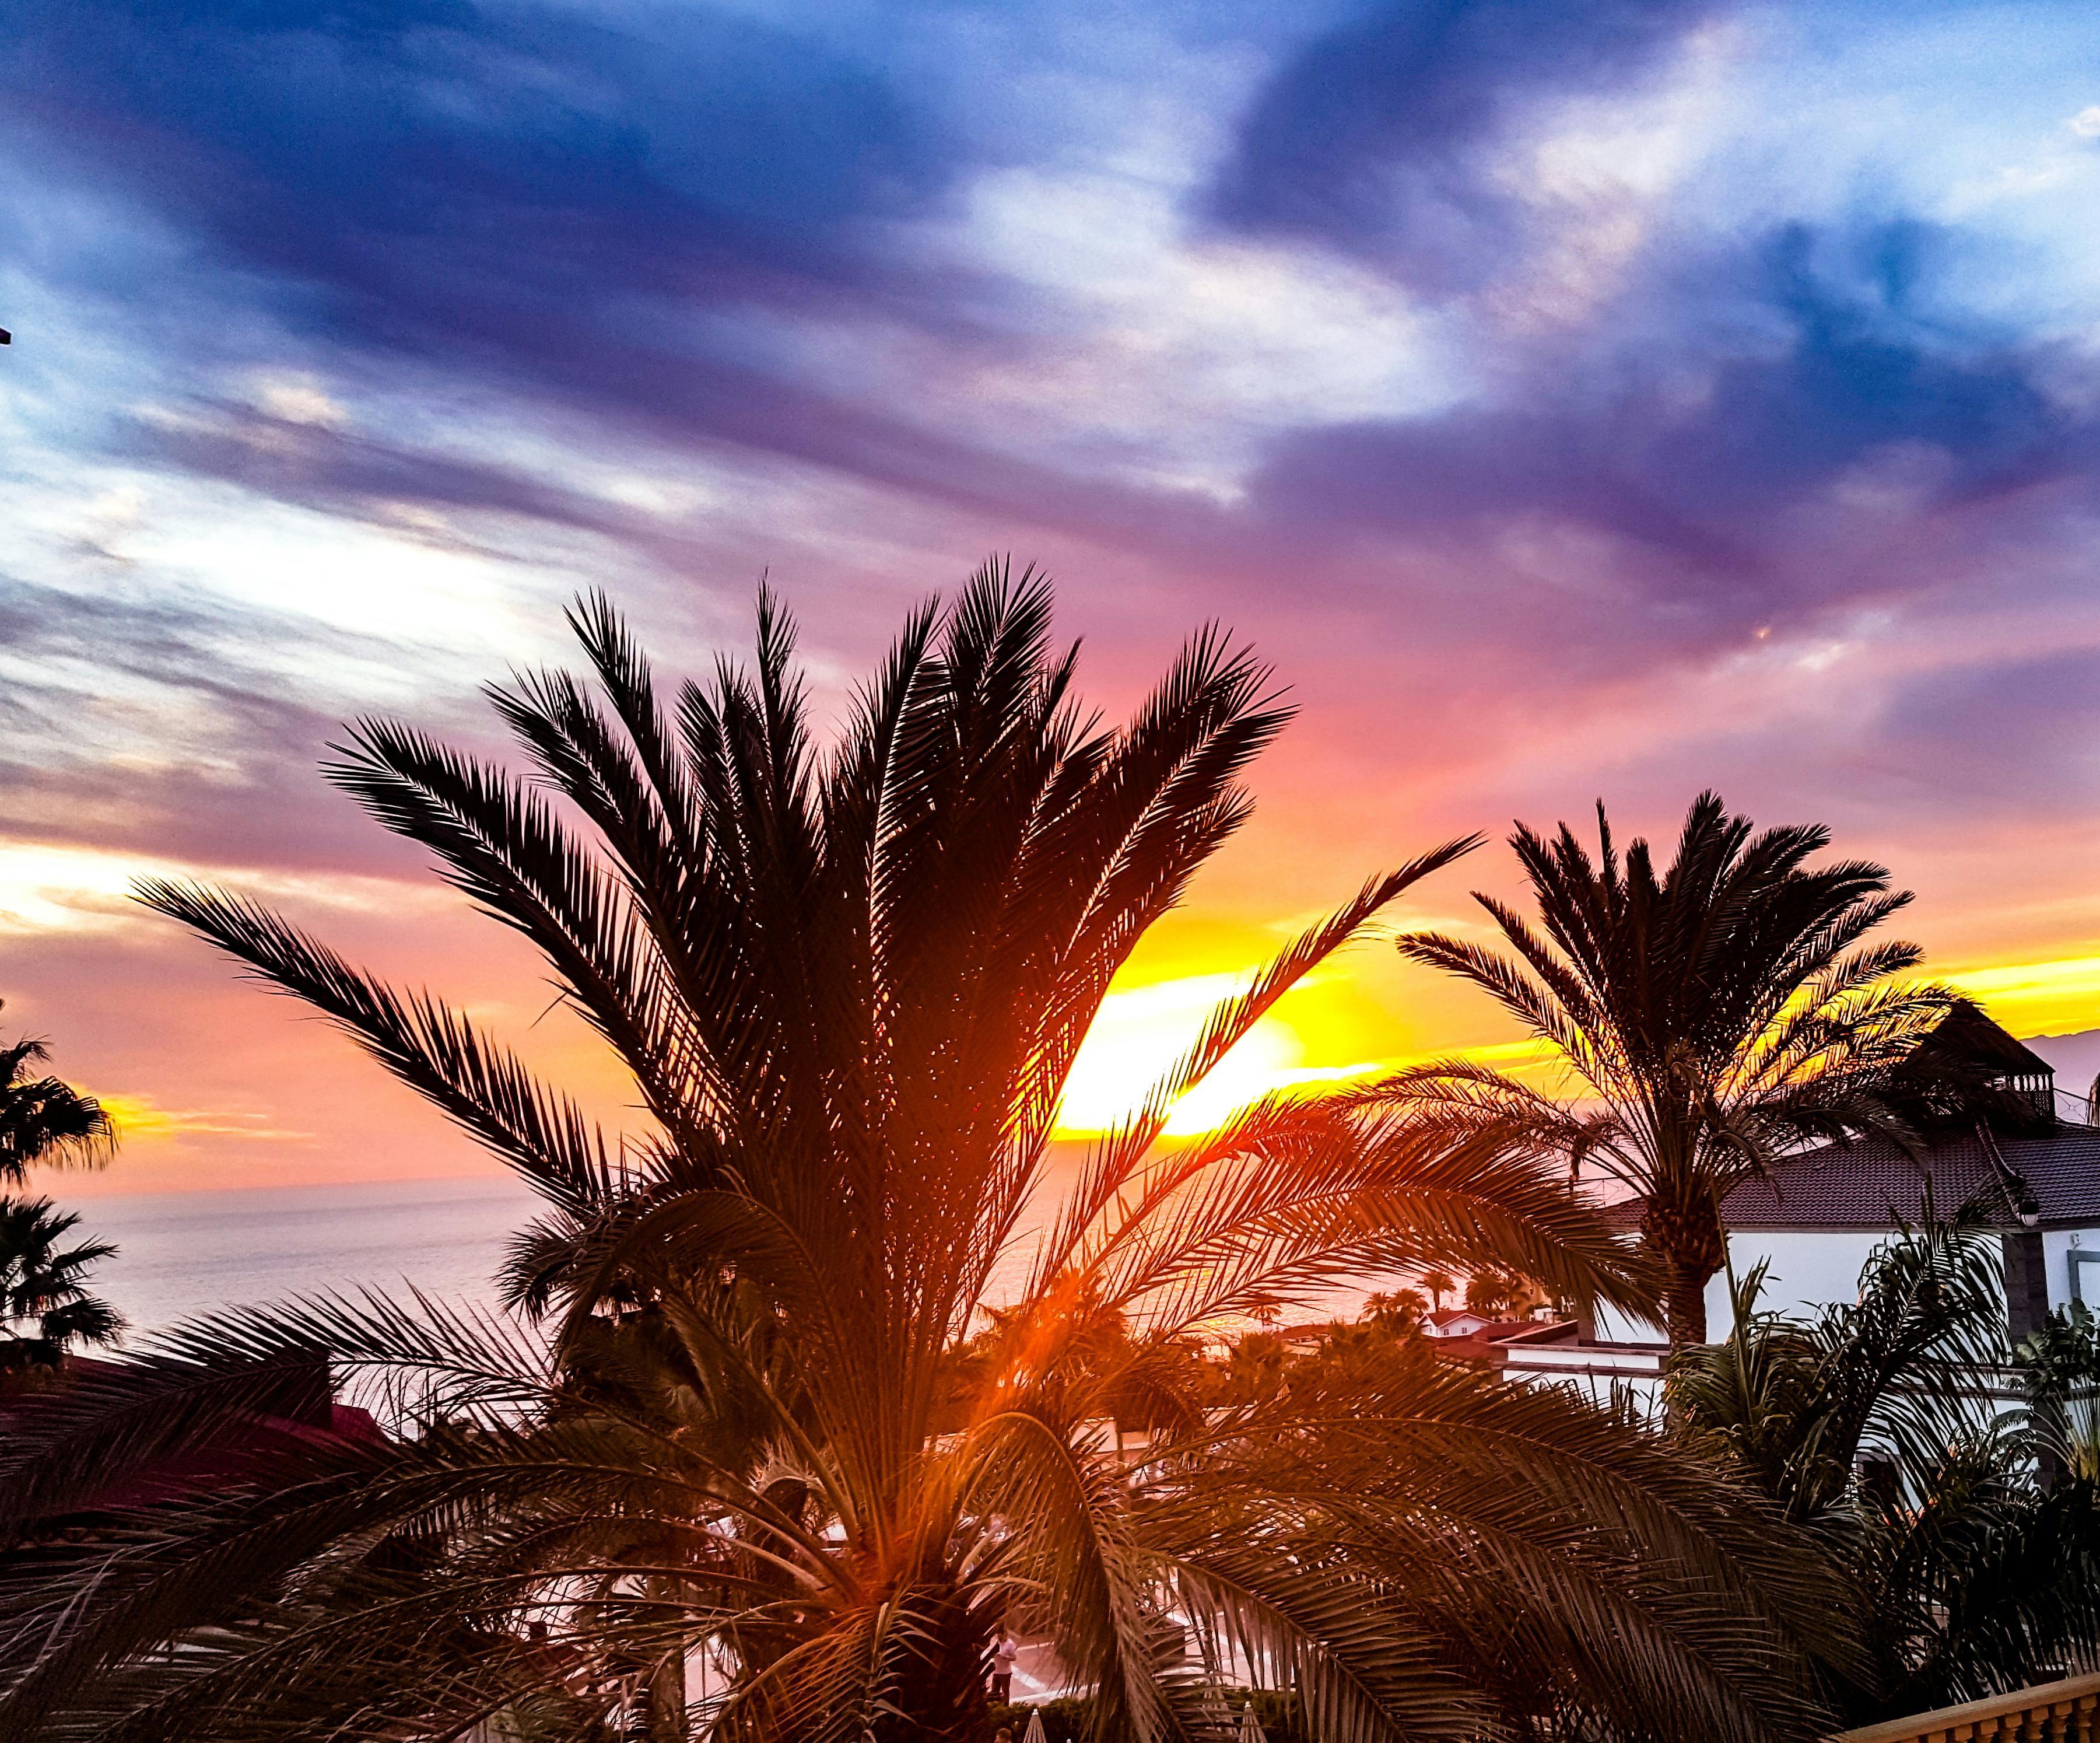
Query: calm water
x,y
182,1254
186,1252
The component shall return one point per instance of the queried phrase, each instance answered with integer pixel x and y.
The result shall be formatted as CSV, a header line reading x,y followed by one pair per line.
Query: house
x,y
1817,1216
2033,1168
295,1412
1458,1322
1459,1334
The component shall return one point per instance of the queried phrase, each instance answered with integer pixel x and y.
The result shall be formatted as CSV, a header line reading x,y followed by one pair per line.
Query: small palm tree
x,y
1873,1424
44,1121
1711,1016
1439,1284
45,1305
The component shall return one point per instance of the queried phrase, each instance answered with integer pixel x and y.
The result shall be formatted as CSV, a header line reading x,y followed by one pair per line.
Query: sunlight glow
x,y
142,1117
2037,998
1140,1031
1137,1036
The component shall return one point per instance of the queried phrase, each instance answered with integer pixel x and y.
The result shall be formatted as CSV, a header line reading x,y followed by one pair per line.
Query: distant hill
x,y
2076,1058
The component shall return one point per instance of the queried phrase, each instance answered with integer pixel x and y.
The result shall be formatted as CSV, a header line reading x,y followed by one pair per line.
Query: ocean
x,y
180,1255
183,1254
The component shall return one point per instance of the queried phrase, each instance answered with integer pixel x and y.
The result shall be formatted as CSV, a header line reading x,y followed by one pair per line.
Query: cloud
x,y
166,727
514,194
2018,737
1379,138
1726,434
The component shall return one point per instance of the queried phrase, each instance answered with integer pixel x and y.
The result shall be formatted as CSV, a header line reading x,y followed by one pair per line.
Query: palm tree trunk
x,y
664,1692
1684,1230
666,1699
1684,1306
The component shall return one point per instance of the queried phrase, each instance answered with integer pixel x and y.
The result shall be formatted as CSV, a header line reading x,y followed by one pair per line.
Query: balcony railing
x,y
2066,1712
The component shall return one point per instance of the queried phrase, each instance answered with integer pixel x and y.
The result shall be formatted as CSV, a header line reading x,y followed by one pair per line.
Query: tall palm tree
x,y
44,1121
737,1429
46,1306
1707,1019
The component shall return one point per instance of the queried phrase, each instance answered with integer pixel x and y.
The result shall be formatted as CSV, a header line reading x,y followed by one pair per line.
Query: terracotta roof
x,y
234,1453
1867,1183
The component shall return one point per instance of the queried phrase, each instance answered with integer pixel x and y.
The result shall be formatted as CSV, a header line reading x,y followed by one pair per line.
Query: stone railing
x,y
2066,1712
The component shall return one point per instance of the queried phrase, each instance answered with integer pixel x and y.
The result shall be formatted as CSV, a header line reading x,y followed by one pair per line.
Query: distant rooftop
x,y
2020,1159
1966,1037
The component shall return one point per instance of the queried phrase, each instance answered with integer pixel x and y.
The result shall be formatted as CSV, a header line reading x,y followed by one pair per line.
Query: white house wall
x,y
1811,1269
2067,1281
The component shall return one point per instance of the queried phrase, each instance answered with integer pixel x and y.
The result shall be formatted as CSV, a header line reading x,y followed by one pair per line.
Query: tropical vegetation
x,y
1701,1019
1970,1532
44,1122
46,1305
755,1457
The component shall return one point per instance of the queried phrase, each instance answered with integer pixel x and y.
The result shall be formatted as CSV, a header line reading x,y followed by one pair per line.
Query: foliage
x,y
45,1304
1710,1017
44,1121
1874,1426
2061,1365
1499,1293
1397,1310
758,1402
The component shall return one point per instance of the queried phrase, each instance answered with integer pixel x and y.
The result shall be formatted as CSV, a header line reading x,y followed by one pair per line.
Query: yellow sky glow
x,y
2037,998
1141,1031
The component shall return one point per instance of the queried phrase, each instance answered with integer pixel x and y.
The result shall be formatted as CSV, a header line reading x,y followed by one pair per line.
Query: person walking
x,y
1004,1649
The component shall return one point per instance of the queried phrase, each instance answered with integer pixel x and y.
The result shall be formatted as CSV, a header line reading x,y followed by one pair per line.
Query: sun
x,y
1137,1036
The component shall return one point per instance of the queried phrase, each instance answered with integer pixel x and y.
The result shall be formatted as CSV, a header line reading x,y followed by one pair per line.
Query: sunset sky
x,y
1606,399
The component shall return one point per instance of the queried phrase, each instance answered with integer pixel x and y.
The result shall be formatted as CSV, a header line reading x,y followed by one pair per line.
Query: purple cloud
x,y
1372,139
1712,426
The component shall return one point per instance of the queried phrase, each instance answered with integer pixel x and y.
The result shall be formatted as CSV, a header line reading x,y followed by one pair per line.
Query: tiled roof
x,y
1866,1183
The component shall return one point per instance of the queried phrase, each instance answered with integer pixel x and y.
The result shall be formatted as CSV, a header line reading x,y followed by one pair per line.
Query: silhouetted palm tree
x,y
848,988
45,1304
1976,1573
42,1121
1709,1018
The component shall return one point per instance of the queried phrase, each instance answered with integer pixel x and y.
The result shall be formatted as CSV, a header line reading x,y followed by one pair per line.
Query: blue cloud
x,y
1371,138
502,188
1716,404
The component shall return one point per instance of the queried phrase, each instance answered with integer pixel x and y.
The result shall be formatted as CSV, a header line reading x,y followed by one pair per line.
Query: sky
x,y
1606,399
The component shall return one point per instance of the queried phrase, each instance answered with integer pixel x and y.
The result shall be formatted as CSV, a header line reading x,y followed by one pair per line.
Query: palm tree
x,y
42,1121
1439,1284
1873,1426
1708,1019
743,1424
45,1305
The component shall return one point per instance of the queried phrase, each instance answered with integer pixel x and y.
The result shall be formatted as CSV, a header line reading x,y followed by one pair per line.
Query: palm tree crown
x,y
45,1302
1710,1016
43,1120
749,1426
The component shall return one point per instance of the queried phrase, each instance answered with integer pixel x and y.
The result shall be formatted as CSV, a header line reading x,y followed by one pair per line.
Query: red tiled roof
x,y
234,1452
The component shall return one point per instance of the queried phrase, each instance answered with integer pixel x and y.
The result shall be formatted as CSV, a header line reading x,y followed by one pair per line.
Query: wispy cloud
x,y
1571,398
